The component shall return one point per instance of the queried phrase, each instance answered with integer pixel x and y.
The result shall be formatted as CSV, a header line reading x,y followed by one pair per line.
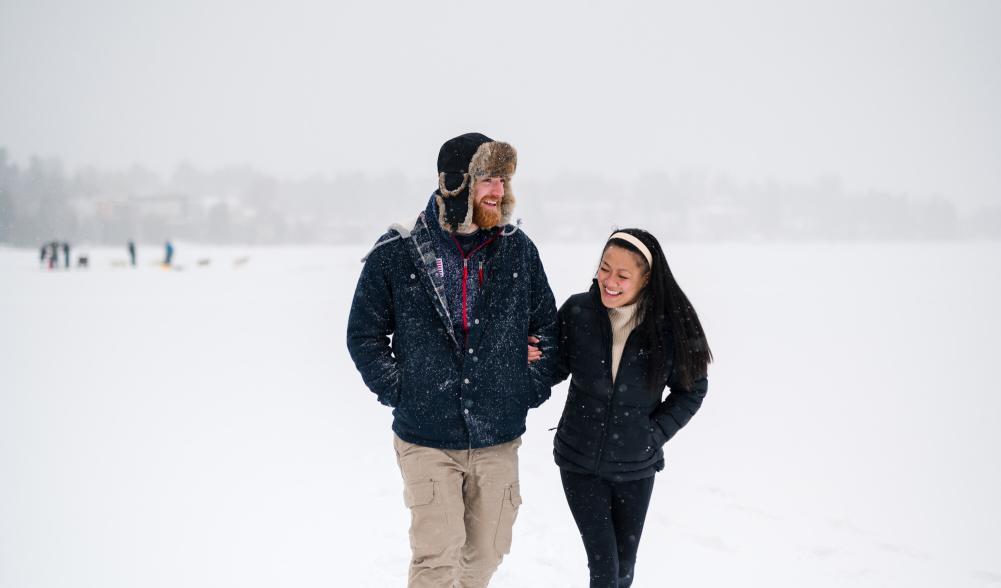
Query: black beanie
x,y
455,178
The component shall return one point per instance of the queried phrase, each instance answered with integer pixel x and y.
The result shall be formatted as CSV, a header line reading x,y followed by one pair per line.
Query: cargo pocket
x,y
508,513
418,493
425,516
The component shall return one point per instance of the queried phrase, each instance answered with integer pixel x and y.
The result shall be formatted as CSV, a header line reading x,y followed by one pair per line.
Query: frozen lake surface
x,y
206,427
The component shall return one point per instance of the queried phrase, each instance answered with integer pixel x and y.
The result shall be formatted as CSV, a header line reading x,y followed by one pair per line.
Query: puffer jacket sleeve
x,y
678,408
370,325
561,368
542,324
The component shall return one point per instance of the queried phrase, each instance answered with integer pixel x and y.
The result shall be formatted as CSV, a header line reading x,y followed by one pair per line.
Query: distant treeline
x,y
41,201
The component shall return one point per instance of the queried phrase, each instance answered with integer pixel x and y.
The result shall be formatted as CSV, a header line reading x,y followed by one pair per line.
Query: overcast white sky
x,y
899,95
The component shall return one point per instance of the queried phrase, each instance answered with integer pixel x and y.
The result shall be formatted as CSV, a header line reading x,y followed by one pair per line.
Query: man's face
x,y
487,196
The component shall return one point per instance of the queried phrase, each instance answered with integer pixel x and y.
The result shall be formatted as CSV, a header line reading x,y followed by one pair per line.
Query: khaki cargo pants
x,y
462,504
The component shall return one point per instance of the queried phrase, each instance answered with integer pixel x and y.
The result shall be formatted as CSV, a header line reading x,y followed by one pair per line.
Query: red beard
x,y
485,217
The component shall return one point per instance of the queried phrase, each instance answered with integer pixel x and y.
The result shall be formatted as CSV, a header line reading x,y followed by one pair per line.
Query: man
x,y
438,329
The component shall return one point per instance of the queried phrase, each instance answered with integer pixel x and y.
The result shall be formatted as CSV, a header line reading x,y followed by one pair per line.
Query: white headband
x,y
636,243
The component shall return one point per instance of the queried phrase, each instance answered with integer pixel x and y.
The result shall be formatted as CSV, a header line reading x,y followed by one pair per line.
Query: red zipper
x,y
465,317
465,279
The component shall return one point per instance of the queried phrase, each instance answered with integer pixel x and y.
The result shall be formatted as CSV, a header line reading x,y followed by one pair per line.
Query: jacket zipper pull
x,y
481,274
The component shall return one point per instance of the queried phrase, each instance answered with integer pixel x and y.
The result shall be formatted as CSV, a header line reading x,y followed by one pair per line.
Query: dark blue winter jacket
x,y
448,392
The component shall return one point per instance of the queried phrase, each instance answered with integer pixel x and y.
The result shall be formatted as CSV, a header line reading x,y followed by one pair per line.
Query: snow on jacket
x,y
616,432
448,391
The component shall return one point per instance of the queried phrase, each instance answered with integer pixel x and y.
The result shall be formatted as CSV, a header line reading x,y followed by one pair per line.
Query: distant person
x,y
633,333
132,253
53,254
43,253
168,253
66,254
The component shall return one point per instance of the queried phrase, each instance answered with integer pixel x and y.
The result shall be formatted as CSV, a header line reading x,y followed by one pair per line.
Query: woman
x,y
622,342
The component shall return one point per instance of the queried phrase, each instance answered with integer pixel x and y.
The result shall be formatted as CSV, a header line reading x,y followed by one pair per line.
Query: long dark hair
x,y
664,309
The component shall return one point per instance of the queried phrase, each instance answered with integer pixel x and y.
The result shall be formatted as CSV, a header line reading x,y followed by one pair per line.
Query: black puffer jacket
x,y
618,433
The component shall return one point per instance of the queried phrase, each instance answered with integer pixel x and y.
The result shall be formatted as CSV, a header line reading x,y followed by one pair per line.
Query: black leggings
x,y
610,518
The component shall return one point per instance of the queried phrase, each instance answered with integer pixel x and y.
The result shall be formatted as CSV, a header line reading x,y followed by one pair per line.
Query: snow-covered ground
x,y
206,427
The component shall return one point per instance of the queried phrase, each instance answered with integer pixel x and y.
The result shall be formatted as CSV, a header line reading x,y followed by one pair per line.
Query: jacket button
x,y
465,411
470,350
516,274
476,321
412,276
466,381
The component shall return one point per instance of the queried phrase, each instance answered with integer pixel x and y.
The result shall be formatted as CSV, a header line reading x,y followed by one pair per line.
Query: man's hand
x,y
534,353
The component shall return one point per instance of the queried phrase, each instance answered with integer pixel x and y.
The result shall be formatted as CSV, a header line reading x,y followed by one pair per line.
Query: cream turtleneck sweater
x,y
623,321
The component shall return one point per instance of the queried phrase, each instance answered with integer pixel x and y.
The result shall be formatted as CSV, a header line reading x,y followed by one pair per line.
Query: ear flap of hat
x,y
455,205
451,183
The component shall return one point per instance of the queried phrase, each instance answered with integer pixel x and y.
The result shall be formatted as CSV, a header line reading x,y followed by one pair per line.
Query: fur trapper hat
x,y
462,161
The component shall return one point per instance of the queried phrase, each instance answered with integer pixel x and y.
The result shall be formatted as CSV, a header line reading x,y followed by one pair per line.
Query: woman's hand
x,y
534,353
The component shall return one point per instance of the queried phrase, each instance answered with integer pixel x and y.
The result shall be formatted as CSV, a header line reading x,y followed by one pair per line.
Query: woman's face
x,y
621,277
